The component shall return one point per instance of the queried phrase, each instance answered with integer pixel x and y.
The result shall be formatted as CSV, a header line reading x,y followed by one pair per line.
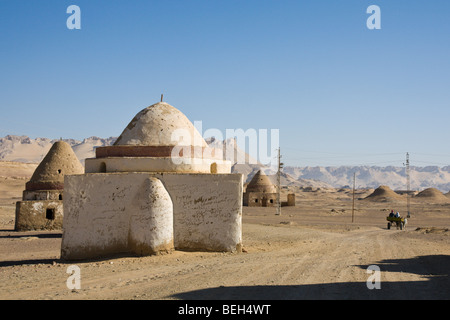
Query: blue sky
x,y
339,93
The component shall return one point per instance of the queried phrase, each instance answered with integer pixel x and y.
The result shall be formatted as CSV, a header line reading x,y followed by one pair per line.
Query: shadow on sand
x,y
13,263
434,269
27,262
32,235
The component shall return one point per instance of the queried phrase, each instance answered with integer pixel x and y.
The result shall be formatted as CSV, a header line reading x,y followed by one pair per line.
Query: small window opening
x,y
103,167
50,214
59,170
271,200
60,197
256,200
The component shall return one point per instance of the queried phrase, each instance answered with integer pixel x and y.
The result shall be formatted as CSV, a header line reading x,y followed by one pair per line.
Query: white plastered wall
x,y
207,212
147,164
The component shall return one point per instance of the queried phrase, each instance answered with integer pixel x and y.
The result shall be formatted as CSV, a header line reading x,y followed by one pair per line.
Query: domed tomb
x,y
160,138
59,161
261,192
155,126
41,207
261,183
159,187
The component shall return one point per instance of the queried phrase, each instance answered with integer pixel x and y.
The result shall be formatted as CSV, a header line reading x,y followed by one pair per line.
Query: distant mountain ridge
x,y
374,176
27,150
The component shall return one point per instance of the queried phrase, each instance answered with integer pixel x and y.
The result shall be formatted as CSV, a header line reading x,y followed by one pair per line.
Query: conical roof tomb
x,y
156,126
59,161
41,207
262,192
261,183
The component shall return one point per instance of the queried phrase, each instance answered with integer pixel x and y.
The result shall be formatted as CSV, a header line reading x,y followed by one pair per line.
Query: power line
x,y
280,166
408,185
359,163
327,157
347,153
433,163
353,204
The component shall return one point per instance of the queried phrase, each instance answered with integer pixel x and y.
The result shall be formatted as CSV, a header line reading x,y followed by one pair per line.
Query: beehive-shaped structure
x,y
260,192
158,188
59,161
42,201
261,183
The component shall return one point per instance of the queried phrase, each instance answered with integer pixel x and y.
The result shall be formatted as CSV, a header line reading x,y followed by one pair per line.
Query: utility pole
x,y
408,186
353,206
280,165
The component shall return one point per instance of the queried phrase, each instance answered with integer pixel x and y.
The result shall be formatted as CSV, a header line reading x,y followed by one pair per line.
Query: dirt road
x,y
281,262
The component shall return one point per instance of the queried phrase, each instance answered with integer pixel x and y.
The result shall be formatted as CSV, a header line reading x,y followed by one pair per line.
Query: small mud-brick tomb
x,y
158,188
41,207
261,192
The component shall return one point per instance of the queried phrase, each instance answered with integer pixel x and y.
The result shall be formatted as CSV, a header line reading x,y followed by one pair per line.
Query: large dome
x,y
160,138
160,125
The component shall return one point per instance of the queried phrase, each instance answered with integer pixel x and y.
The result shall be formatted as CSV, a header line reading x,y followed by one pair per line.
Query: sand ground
x,y
311,251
